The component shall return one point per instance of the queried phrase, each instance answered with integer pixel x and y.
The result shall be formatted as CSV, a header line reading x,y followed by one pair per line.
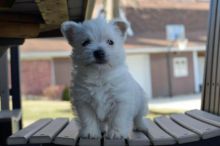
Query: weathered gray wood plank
x,y
114,142
205,117
138,139
157,135
22,136
75,12
69,134
208,67
203,129
75,4
217,67
89,142
214,98
89,8
47,134
181,134
14,114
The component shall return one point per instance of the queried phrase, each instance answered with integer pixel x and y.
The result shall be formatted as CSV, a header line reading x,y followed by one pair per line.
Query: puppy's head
x,y
96,42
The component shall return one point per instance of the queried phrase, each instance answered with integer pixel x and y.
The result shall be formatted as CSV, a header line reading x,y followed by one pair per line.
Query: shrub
x,y
53,92
66,94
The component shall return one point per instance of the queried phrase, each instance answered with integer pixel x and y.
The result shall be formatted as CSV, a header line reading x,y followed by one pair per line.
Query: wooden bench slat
x,y
157,135
181,134
138,139
69,134
14,114
89,142
203,129
114,142
205,117
21,137
47,134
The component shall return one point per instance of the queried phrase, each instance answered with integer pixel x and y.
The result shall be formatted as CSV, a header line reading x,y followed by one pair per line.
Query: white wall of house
x,y
139,67
196,71
201,67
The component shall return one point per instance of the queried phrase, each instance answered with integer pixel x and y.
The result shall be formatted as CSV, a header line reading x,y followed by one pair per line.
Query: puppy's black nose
x,y
99,54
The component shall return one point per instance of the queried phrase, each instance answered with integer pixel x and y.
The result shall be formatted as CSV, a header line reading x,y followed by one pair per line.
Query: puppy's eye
x,y
86,42
110,42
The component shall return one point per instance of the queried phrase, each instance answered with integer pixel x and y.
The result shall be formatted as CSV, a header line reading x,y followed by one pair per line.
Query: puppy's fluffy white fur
x,y
103,94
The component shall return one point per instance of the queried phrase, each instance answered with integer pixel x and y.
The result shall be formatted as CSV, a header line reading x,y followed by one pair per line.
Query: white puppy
x,y
103,90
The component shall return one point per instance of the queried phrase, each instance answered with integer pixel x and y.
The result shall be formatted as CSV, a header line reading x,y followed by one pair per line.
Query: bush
x,y
66,94
53,92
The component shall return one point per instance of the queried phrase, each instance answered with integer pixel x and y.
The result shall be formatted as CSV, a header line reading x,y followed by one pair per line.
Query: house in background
x,y
165,54
174,69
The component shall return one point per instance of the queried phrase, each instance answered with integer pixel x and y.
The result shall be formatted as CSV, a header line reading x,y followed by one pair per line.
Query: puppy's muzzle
x,y
100,56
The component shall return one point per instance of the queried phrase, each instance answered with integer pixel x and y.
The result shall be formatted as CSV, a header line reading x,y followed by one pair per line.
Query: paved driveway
x,y
175,104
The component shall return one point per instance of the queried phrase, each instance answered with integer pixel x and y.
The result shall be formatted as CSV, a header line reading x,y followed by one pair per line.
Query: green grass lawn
x,y
36,109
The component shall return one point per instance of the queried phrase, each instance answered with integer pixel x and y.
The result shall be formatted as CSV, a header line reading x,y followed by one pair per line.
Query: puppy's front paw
x,y
116,134
90,133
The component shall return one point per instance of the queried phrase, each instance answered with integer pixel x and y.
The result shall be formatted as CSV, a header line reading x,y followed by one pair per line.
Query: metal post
x,y
3,49
4,89
15,78
208,84
169,67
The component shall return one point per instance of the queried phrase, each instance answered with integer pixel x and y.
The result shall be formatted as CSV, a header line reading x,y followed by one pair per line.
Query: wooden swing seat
x,y
195,127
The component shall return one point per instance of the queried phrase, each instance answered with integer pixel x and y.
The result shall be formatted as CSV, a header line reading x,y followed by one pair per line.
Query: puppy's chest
x,y
102,99
100,92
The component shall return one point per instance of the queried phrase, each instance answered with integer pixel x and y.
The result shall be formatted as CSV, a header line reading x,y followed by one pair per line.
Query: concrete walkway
x,y
175,104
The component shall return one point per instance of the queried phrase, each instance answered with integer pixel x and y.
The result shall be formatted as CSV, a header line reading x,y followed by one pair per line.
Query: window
x,y
175,32
180,67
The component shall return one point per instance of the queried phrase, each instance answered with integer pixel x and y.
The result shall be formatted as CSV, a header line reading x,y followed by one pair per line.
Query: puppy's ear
x,y
68,29
122,26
